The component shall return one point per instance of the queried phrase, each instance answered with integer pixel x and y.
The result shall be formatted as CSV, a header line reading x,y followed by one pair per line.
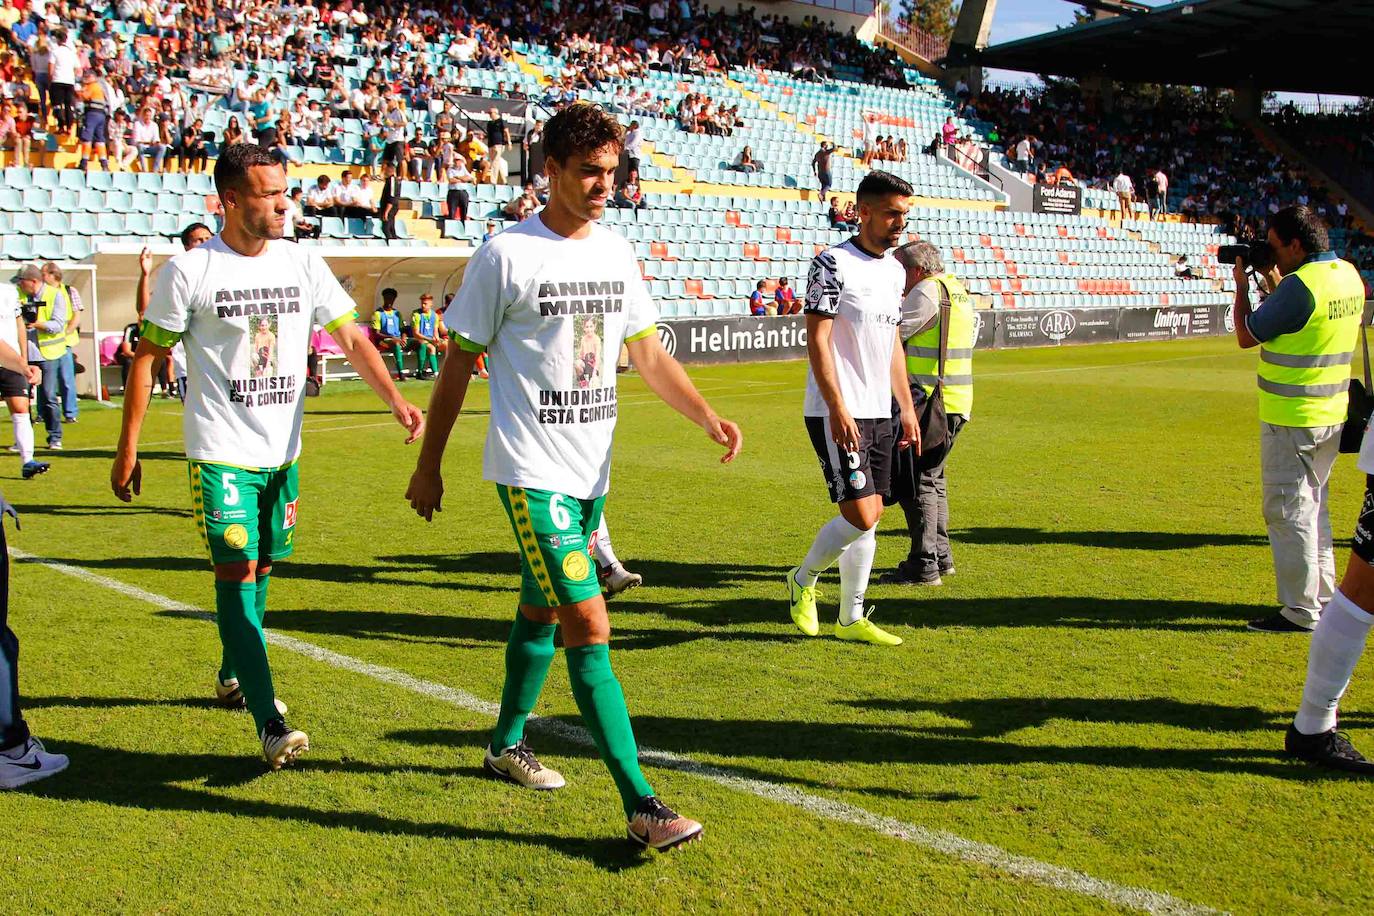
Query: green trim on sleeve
x,y
647,332
465,344
340,322
159,336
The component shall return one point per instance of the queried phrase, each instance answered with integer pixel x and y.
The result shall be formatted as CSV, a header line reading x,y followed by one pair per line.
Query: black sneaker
x,y
1276,623
903,574
1327,749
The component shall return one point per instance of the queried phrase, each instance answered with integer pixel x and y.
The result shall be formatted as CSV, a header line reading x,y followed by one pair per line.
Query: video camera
x,y
1254,253
29,309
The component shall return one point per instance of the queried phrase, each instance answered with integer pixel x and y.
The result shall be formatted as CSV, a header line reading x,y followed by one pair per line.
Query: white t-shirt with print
x,y
863,294
552,313
246,325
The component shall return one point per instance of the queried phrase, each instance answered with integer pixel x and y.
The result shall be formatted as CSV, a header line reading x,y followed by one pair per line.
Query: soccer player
x,y
853,308
424,329
527,299
386,326
14,385
242,426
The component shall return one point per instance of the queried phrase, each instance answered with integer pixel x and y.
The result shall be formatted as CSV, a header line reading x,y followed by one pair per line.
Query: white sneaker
x,y
282,744
617,579
228,695
32,764
519,765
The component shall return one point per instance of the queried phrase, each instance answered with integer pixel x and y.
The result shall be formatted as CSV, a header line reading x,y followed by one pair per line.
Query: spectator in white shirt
x,y
1125,192
320,200
62,81
1159,200
147,139
634,143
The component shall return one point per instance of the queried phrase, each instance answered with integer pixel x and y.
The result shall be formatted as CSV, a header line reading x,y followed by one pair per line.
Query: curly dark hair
x,y
581,128
231,168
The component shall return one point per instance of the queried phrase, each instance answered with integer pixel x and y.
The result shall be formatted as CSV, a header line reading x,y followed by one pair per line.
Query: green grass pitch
x,y
1082,694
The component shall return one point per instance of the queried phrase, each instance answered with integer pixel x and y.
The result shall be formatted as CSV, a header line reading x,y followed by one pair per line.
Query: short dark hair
x,y
580,128
231,169
190,230
388,295
1303,224
878,184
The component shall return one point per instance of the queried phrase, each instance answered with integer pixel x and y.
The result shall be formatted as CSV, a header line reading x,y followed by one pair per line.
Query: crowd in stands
x,y
1214,166
601,41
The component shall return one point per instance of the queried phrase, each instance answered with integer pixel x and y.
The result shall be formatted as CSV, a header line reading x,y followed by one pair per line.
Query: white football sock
x,y
23,435
834,536
1337,643
855,564
605,556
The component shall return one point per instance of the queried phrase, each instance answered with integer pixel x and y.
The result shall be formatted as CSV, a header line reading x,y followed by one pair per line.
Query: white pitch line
x,y
941,841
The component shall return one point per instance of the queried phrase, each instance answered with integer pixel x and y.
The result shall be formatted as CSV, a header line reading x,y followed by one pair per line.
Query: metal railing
x,y
922,44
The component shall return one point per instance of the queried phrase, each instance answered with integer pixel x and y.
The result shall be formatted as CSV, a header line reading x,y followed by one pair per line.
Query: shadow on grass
x,y
449,631
107,510
1110,540
148,781
108,454
911,605
999,716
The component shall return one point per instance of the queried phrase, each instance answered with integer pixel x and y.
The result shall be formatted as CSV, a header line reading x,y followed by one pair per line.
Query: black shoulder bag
x,y
930,409
932,420
1361,402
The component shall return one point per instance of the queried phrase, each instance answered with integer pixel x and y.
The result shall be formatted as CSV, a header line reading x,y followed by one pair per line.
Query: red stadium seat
x,y
693,288
784,234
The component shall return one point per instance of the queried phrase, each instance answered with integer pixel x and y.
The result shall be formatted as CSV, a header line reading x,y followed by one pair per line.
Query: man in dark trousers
x,y
928,287
391,200
23,759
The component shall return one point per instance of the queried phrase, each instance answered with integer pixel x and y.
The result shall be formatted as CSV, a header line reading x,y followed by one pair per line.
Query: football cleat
x,y
865,630
32,764
656,826
228,695
1328,749
33,468
282,744
616,579
518,764
802,601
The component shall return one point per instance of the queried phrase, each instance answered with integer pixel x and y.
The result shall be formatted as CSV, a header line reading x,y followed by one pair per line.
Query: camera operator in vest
x,y
46,314
1306,329
928,287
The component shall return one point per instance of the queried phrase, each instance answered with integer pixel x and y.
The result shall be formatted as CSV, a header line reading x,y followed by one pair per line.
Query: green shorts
x,y
555,534
244,513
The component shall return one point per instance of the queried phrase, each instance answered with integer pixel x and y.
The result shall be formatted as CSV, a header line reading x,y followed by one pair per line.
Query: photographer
x,y
46,312
1306,330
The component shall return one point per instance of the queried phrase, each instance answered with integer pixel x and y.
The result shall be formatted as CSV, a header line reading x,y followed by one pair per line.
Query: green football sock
x,y
399,355
242,636
262,603
226,667
529,652
602,704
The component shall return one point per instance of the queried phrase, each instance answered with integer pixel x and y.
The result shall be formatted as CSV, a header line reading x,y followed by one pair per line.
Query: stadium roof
x,y
1284,45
